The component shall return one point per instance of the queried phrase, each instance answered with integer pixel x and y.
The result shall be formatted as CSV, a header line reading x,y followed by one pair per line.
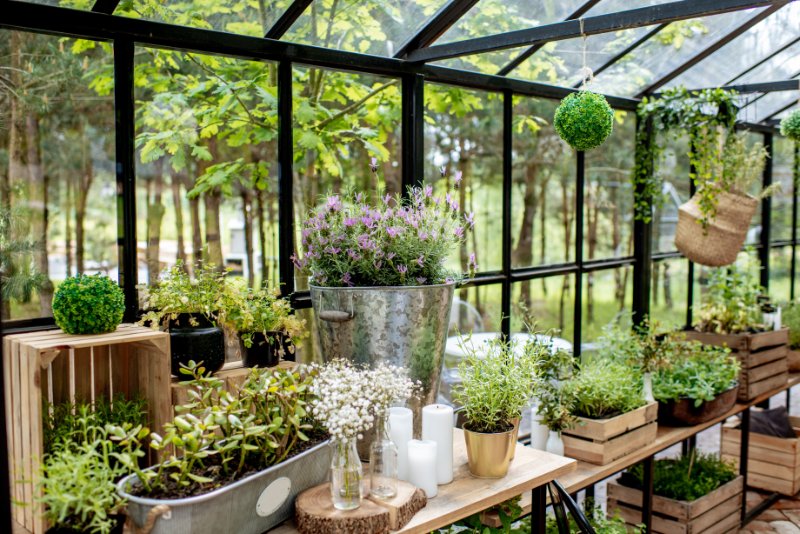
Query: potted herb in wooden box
x,y
730,316
791,319
239,460
613,419
693,494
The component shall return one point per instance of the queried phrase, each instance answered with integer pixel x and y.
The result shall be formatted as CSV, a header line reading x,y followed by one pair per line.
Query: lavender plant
x,y
403,241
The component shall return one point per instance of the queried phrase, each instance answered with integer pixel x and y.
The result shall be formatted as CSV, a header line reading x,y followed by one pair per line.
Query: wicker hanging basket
x,y
726,232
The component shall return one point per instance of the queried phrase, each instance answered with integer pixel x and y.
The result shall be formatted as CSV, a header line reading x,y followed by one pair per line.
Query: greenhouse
x,y
419,266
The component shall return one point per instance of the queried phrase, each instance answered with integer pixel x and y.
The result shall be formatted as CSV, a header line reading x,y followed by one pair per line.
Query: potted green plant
x,y
584,120
790,318
88,304
268,329
790,126
237,459
495,387
693,493
613,418
554,404
189,308
698,384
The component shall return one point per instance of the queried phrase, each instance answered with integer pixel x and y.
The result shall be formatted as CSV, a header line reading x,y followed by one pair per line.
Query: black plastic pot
x,y
118,527
204,342
267,350
683,412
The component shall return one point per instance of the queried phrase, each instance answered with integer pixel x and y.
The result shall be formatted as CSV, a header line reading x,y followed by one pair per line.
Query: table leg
x,y
590,493
539,510
743,452
647,494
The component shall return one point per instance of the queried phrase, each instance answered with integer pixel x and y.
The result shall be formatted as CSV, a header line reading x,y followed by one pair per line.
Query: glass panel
x,y
669,292
206,175
674,172
488,63
547,302
57,170
341,121
608,195
464,133
754,233
605,294
780,269
670,48
786,113
744,51
781,212
242,17
768,106
783,66
378,28
543,197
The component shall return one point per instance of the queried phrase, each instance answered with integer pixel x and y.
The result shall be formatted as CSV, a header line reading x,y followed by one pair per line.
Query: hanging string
x,y
586,73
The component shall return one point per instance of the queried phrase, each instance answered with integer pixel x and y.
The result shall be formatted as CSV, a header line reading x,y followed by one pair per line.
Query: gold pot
x,y
513,450
489,455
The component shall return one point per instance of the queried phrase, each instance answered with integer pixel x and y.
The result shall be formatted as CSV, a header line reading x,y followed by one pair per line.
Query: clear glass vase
x,y
383,462
346,475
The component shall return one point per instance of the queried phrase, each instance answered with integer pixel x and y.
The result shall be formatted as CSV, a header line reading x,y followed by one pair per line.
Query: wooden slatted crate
x,y
55,367
717,512
773,463
762,355
600,441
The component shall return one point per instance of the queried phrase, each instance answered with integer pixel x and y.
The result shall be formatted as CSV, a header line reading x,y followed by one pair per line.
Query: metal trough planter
x,y
248,506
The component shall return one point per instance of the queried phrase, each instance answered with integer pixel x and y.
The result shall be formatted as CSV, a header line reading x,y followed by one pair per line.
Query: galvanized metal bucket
x,y
248,506
404,326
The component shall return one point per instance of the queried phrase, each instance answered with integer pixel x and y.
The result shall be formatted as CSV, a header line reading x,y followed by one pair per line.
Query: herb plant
x,y
644,347
730,303
790,126
497,381
603,388
555,404
696,371
790,317
584,120
250,311
88,304
402,241
686,478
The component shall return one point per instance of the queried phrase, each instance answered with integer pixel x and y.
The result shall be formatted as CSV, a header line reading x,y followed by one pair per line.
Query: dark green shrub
x,y
790,126
686,478
88,304
584,120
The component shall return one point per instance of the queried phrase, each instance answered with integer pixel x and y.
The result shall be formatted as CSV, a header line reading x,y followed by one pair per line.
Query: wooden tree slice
x,y
315,514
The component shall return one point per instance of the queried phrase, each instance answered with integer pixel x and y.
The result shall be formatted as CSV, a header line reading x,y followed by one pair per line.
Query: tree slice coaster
x,y
315,514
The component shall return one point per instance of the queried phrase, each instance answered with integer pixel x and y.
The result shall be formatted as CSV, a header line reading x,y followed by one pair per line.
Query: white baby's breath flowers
x,y
348,398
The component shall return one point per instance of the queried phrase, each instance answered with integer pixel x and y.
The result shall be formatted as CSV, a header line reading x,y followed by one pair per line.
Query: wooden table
x,y
530,472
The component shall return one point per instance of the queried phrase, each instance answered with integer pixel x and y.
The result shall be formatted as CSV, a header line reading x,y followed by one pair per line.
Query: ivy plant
x,y
88,304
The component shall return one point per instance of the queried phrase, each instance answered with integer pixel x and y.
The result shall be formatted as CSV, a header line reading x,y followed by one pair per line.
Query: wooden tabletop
x,y
468,495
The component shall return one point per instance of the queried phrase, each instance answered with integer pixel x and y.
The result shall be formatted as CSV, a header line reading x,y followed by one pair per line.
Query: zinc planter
x,y
251,505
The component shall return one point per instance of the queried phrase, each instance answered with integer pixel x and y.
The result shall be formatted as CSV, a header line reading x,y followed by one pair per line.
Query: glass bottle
x,y
383,461
346,475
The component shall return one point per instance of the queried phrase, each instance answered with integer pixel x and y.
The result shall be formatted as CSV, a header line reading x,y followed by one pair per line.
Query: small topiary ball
x,y
790,126
88,304
584,120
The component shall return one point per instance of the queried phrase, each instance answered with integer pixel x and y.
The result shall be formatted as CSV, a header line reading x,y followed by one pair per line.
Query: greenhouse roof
x,y
633,47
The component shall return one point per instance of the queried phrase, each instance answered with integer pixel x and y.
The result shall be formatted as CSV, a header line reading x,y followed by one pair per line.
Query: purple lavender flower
x,y
402,269
443,170
422,235
353,254
373,164
334,203
349,221
428,191
346,280
473,263
377,264
390,255
470,218
421,261
457,180
394,231
459,232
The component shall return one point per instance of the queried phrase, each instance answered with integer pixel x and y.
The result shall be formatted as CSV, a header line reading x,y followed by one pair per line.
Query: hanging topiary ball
x,y
584,120
88,304
790,126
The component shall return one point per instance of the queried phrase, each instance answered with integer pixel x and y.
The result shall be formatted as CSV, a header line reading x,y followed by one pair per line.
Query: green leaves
x,y
88,304
604,388
686,478
584,120
790,126
696,371
730,305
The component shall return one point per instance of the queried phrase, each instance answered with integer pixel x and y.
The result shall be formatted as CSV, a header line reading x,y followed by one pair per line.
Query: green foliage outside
x,y
584,120
686,478
88,304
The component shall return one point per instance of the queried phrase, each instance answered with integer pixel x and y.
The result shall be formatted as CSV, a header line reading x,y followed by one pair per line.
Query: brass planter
x,y
515,422
489,455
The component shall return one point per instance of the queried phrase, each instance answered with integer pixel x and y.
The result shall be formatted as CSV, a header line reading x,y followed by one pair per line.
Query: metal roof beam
x,y
707,51
289,17
105,6
761,87
436,26
520,59
634,18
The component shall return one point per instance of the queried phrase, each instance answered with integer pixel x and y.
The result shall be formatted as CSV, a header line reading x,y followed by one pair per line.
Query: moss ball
x,y
88,304
790,126
584,120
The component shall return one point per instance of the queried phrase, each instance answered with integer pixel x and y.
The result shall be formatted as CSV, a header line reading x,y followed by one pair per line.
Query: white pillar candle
x,y
401,430
422,466
437,425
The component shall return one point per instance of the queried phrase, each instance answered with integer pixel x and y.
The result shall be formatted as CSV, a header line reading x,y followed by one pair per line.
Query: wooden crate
x,y
762,356
773,463
56,367
715,513
600,441
793,357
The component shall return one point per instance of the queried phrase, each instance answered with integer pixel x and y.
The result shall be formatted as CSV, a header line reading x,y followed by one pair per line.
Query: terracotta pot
x,y
683,412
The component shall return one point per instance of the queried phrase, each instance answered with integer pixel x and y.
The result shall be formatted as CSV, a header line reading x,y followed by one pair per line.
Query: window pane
x,y
57,172
549,302
205,166
341,121
782,66
464,133
605,294
669,292
782,163
780,273
543,195
608,194
674,172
